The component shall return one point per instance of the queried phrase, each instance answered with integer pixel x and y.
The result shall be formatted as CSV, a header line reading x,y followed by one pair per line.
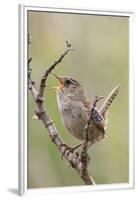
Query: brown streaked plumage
x,y
75,109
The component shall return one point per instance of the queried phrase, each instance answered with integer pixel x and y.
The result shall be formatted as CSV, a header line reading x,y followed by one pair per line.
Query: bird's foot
x,y
69,149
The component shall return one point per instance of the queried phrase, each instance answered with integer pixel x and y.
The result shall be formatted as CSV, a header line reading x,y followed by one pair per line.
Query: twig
x,y
84,157
48,123
50,68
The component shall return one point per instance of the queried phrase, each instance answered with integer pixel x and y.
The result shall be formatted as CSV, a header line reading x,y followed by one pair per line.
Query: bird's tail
x,y
108,101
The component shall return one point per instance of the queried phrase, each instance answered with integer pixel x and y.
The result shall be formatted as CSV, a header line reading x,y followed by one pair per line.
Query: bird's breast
x,y
75,116
71,117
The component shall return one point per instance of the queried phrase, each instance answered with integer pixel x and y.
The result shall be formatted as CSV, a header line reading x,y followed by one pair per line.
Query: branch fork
x,y
80,165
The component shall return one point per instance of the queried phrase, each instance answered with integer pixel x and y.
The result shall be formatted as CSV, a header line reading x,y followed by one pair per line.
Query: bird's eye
x,y
67,81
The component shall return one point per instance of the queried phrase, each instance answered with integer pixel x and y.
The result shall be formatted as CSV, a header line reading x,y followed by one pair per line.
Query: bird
x,y
75,109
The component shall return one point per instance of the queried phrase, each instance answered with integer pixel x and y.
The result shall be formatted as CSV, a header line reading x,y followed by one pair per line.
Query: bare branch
x,y
84,158
51,67
48,123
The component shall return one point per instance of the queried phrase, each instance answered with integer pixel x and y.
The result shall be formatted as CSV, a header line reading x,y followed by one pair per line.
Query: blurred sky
x,y
99,63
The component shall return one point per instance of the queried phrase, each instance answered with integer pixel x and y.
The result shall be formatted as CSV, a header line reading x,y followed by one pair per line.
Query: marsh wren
x,y
75,109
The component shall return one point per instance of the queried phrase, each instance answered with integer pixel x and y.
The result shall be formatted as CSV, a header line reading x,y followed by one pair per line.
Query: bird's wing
x,y
98,120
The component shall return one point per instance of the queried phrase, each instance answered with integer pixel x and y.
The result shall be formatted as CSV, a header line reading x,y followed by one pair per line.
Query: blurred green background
x,y
99,63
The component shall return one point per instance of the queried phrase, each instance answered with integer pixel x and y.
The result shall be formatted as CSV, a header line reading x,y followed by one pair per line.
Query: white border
x,y
23,104
22,177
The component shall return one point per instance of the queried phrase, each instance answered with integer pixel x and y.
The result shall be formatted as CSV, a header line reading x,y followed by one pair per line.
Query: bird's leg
x,y
72,149
69,149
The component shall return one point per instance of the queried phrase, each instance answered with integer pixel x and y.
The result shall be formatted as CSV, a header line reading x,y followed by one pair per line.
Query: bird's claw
x,y
69,149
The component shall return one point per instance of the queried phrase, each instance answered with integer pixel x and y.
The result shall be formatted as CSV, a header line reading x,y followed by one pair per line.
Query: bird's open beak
x,y
58,78
59,87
